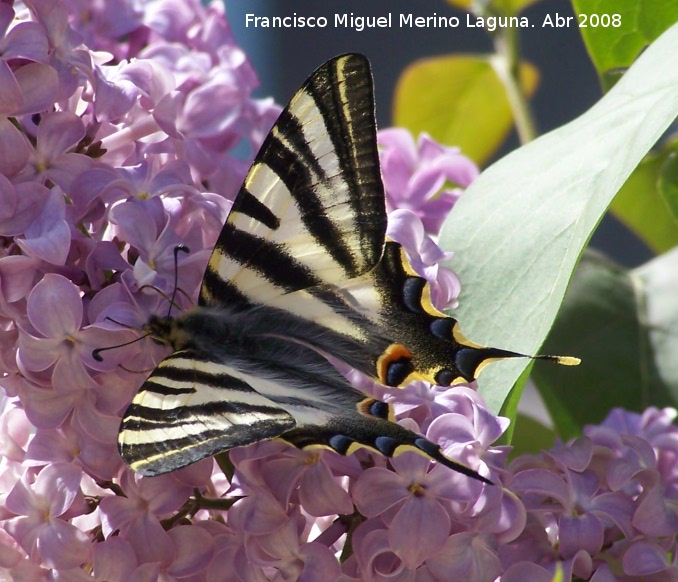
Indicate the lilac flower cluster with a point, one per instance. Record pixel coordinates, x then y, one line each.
604 505
119 123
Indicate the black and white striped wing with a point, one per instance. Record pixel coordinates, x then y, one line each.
311 211
191 408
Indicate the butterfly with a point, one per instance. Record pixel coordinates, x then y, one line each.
302 270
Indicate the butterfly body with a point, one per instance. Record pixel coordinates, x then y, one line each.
301 271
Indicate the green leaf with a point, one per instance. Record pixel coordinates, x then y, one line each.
510 407
668 188
599 321
644 201
558 575
624 325
458 100
531 436
520 228
616 47
224 461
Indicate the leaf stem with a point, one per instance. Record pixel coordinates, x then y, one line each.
506 63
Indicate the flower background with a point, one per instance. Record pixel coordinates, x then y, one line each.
126 129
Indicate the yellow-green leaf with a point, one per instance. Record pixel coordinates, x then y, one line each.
459 101
668 188
643 203
507 7
463 4
511 7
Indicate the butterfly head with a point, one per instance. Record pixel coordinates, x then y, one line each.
167 330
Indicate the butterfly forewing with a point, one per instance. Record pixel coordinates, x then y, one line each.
311 210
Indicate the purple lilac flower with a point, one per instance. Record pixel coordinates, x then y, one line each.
415 175
39 527
407 228
73 255
106 165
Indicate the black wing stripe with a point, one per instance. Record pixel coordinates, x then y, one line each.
270 260
192 376
158 457
249 205
322 155
151 386
290 130
146 418
298 169
214 285
345 97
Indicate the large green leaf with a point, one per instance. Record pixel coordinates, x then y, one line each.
615 43
599 320
624 325
458 100
520 228
463 4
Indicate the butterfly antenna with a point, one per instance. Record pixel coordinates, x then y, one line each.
96 353
177 249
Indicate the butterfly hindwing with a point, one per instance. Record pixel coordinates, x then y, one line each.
195 405
190 408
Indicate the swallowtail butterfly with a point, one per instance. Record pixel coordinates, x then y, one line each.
302 269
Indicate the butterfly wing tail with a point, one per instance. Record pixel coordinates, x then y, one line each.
371 428
428 344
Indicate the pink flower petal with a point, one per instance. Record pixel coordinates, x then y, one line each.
48 237
58 133
38 84
11 97
419 530
644 558
14 149
114 560
193 548
376 490
54 307
320 494
146 527
467 556
59 483
583 532
63 545
522 571
318 564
